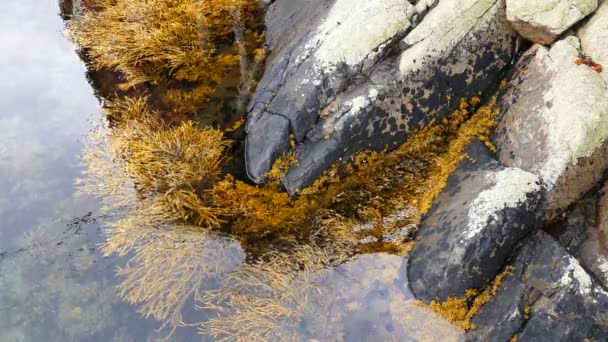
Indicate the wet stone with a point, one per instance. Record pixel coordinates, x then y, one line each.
548 297
483 212
368 75
583 234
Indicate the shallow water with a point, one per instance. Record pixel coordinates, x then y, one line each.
54 283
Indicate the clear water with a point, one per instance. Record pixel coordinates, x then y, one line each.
54 283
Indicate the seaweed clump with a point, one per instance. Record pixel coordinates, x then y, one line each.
460 311
166 183
179 50
175 207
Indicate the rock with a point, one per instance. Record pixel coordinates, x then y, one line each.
603 213
483 212
548 297
594 37
555 122
575 229
350 75
585 237
543 21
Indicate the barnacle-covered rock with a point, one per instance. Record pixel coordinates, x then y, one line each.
483 212
346 75
548 297
555 122
543 21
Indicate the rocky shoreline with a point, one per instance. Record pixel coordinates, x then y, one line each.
343 76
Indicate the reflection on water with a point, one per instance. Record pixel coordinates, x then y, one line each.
55 284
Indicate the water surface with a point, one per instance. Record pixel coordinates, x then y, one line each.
54 283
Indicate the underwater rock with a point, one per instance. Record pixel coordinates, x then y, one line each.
543 21
555 122
483 212
351 76
547 297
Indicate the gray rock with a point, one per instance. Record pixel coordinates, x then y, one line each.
350 76
483 212
594 37
555 122
548 297
543 21
583 234
577 224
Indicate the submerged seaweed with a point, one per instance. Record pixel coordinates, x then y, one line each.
179 50
180 217
165 182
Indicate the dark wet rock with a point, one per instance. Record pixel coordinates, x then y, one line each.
483 212
350 75
555 117
583 235
548 297
577 223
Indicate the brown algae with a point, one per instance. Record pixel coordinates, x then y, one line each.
163 177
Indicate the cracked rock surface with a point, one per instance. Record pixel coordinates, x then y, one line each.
553 127
583 233
345 75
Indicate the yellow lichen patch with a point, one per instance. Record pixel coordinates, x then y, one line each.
460 311
503 84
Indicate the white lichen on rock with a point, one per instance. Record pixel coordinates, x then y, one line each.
577 119
351 109
441 31
353 29
602 265
594 37
508 189
576 276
